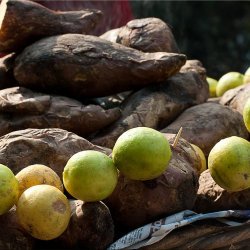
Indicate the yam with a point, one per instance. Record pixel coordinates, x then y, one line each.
12 236
157 106
21 108
135 203
145 34
236 98
22 22
6 71
212 197
206 124
51 147
83 66
91 226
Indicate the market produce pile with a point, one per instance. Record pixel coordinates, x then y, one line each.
102 135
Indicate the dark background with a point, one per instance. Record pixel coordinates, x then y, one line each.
215 32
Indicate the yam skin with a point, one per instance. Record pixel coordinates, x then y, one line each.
91 226
83 66
206 124
236 98
145 34
159 105
22 22
21 108
6 71
12 235
212 197
51 147
135 203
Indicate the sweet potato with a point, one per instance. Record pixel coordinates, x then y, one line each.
83 66
211 197
91 226
237 97
157 106
23 22
145 34
135 203
6 71
205 124
12 236
51 147
21 108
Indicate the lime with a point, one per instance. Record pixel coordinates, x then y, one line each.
90 176
141 153
229 163
246 114
212 83
247 76
43 211
229 81
37 174
9 189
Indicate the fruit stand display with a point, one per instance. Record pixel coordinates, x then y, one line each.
116 141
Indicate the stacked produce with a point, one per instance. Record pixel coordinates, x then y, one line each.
102 135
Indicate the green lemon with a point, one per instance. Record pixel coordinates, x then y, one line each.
141 153
229 81
246 114
212 83
90 176
247 76
9 189
229 163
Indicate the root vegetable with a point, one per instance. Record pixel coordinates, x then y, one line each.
87 66
23 22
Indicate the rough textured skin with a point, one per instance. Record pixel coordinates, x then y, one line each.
206 124
32 21
211 197
12 236
237 97
146 34
6 71
91 226
51 147
135 203
21 108
157 106
88 66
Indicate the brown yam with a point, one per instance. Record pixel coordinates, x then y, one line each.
91 226
237 97
206 124
145 34
12 236
135 203
211 197
23 22
87 66
6 71
21 108
157 106
52 147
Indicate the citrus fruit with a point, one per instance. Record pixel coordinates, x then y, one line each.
8 189
141 153
43 211
212 83
247 76
229 81
229 163
90 176
246 114
203 165
37 174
